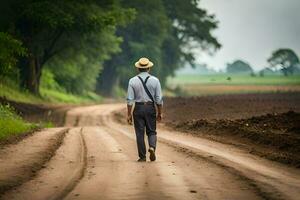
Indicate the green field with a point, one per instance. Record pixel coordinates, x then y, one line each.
222 79
198 85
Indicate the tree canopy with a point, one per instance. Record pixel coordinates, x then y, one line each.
50 28
286 59
167 32
81 44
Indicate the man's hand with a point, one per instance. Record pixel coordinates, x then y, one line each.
159 113
159 117
129 119
129 115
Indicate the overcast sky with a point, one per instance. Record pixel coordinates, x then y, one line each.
252 29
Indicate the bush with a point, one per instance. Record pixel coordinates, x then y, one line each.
11 123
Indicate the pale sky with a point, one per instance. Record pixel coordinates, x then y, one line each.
252 29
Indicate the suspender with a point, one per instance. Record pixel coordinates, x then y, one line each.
145 87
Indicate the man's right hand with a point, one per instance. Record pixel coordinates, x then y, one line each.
129 115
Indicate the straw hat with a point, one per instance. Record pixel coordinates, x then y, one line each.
143 63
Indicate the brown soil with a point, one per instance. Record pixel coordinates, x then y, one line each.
243 120
229 106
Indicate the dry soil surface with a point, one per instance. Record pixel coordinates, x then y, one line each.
97 160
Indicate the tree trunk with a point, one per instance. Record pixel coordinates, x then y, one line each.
30 72
284 71
106 80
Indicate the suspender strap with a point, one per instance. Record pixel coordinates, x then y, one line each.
145 87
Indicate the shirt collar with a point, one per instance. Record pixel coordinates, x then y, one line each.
144 73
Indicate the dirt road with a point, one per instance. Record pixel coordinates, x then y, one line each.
97 160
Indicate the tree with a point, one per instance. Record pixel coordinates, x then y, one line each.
79 67
240 67
285 59
49 28
166 31
10 50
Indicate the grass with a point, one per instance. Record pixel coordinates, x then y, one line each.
12 124
10 90
221 79
61 97
201 85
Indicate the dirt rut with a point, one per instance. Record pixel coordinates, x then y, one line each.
20 161
59 175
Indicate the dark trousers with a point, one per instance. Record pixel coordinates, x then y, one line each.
144 117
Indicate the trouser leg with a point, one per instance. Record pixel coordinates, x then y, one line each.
139 126
150 119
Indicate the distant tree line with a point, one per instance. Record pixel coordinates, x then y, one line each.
82 45
285 60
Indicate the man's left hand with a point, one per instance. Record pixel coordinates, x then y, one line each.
159 117
129 119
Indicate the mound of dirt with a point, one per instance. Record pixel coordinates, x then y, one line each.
267 125
275 136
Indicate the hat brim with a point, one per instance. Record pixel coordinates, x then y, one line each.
150 64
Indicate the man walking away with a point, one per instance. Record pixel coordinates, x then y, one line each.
145 91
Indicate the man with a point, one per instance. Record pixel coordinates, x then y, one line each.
145 91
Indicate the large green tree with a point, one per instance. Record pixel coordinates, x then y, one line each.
78 68
167 32
49 28
285 59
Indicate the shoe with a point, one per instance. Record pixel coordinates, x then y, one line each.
142 160
152 154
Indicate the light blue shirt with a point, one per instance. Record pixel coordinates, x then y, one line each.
137 93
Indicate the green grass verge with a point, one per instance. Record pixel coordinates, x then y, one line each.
11 91
61 97
12 124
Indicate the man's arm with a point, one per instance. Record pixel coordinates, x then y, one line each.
159 101
130 101
159 112
129 115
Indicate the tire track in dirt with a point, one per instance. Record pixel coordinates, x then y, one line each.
31 154
268 194
60 175
277 180
265 190
188 181
109 170
82 172
178 179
